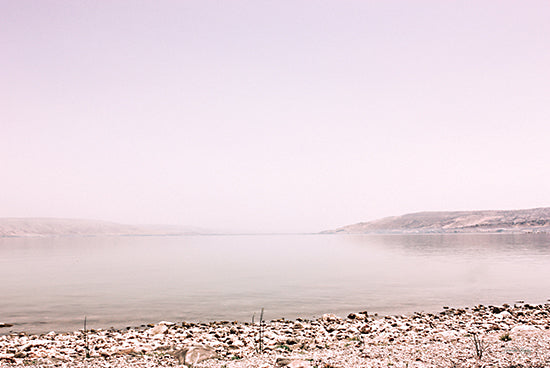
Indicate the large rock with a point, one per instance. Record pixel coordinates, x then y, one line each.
524 329
194 354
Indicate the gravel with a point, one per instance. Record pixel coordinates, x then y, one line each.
509 336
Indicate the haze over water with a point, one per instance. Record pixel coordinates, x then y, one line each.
127 281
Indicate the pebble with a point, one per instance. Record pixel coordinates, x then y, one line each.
360 340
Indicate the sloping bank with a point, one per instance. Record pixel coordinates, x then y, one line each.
509 336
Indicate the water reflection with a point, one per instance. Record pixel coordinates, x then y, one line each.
457 243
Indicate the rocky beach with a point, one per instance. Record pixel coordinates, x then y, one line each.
510 336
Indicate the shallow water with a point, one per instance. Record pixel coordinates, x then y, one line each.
52 283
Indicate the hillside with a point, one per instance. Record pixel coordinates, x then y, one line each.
76 227
531 220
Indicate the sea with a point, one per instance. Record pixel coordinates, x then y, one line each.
55 283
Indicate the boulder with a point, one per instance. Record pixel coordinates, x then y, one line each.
193 354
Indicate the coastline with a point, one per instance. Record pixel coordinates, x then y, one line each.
507 336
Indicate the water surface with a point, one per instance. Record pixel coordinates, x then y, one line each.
52 283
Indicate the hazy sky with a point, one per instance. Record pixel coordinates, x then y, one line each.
272 115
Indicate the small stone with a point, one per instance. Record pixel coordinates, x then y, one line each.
235 342
298 326
357 316
166 323
281 362
329 317
365 329
158 329
293 363
503 315
126 351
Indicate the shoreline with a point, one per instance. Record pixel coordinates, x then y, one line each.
500 231
516 335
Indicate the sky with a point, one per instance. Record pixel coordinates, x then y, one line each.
272 116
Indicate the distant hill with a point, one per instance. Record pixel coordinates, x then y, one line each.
531 220
76 227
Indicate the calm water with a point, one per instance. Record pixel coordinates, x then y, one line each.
52 283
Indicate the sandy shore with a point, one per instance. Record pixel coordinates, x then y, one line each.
509 336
